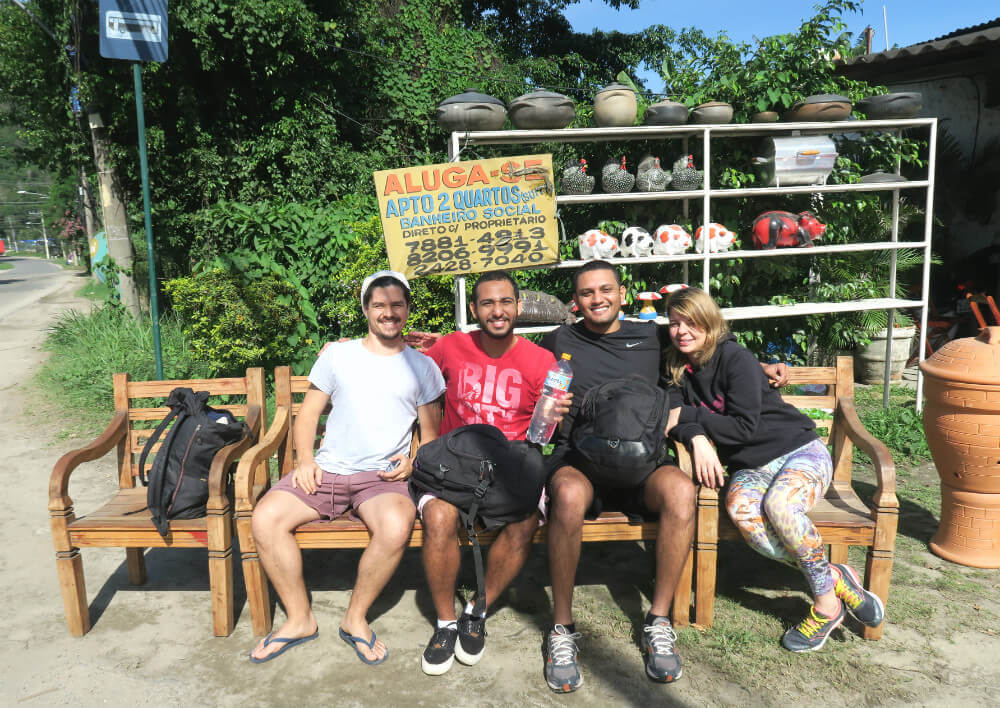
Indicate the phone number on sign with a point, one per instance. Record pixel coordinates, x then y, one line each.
498 249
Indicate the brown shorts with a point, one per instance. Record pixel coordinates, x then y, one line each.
339 493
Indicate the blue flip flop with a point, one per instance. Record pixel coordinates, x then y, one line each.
353 643
289 643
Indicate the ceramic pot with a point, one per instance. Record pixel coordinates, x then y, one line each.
471 111
764 117
891 105
713 112
869 362
821 107
962 424
615 106
666 113
541 110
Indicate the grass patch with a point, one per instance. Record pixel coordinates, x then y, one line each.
5 266
899 426
88 347
95 290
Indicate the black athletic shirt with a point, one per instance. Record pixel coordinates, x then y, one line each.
597 358
731 400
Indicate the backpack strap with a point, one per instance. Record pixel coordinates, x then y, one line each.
174 411
485 481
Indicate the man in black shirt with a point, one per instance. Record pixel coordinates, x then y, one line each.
604 348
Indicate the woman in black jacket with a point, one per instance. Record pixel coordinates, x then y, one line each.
779 467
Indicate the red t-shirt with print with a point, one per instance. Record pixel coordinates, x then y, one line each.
480 389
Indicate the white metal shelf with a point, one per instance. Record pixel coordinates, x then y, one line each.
459 141
762 253
620 197
647 132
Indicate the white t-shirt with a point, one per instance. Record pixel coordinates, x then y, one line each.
374 403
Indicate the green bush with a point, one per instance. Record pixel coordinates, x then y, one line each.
233 324
87 348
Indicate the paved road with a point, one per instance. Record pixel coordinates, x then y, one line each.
29 281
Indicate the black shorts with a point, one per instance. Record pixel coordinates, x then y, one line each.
628 500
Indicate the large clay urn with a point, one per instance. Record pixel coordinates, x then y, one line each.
962 424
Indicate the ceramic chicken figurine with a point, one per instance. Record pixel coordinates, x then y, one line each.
671 240
686 177
654 179
615 178
575 179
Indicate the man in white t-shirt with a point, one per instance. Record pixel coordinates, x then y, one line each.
377 387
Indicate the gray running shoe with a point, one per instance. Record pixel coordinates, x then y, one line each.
663 664
866 606
562 672
811 633
440 652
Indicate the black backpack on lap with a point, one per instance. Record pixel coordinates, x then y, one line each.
619 431
178 478
486 477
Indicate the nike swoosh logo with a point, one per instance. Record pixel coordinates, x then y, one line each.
632 344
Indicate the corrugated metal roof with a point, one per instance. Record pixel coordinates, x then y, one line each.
983 34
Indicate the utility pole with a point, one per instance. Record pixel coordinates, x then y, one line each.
45 238
13 234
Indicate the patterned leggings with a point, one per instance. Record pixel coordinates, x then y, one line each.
769 505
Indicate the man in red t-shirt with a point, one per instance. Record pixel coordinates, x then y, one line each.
492 376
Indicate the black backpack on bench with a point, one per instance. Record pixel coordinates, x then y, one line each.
178 477
485 476
619 431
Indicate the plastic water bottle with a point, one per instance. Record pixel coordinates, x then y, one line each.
543 420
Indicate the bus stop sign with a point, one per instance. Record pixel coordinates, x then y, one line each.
135 30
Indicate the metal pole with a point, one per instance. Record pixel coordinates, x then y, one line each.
144 167
891 321
928 232
45 237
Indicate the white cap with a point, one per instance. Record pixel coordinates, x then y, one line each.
383 274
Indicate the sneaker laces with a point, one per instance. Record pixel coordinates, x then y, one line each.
562 645
442 635
661 637
813 623
847 593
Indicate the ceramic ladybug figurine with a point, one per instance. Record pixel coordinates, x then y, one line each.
783 229
648 311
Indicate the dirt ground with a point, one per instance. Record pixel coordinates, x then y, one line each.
152 645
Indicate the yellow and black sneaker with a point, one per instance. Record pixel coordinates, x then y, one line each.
811 633
866 606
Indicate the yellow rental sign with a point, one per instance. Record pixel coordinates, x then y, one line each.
469 217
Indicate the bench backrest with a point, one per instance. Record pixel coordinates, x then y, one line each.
826 384
144 402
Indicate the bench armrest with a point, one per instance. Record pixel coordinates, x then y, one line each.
222 462
59 499
257 455
885 468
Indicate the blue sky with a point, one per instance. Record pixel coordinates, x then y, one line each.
909 21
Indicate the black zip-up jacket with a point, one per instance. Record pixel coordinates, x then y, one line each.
731 401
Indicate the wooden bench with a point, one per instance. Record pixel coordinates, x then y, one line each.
125 521
252 481
842 518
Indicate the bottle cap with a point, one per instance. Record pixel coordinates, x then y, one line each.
567 356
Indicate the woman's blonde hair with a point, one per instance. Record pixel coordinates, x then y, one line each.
697 306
